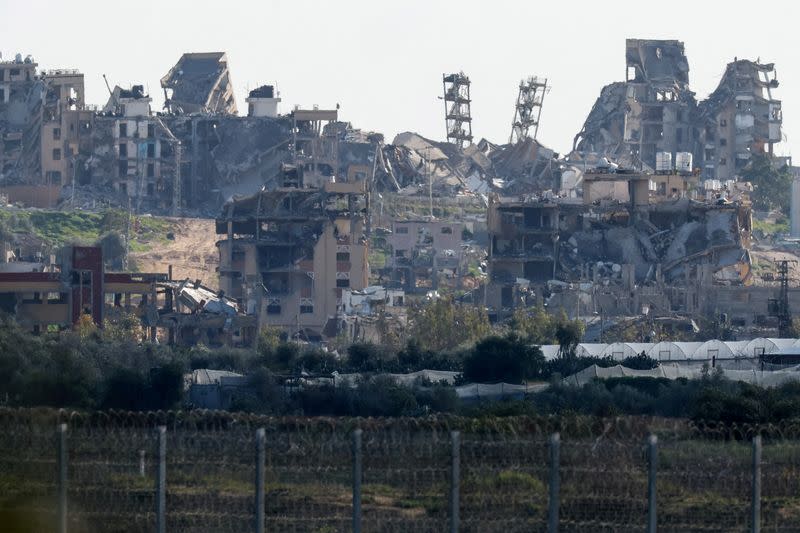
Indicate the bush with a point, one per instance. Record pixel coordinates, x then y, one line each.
508 359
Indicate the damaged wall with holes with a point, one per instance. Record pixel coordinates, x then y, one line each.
626 244
288 254
42 122
654 112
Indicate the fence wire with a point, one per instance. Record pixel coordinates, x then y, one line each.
704 473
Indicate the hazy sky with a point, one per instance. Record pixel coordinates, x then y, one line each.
383 61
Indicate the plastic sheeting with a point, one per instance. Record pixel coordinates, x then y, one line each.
674 371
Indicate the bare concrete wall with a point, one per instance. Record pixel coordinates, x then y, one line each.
43 196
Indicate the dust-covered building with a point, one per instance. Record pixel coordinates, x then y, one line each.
653 113
739 119
628 243
288 253
199 83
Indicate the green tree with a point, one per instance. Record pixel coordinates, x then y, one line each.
442 324
114 248
510 359
771 183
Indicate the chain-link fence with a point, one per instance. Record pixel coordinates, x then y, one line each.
187 472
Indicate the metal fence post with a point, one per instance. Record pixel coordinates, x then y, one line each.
357 480
161 480
652 464
61 434
756 505
554 484
261 440
455 480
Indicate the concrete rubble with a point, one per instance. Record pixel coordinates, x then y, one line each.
646 216
655 112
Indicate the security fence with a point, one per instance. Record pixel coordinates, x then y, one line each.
200 471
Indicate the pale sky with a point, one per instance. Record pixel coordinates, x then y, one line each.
383 61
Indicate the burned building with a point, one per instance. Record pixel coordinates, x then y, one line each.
199 83
288 253
654 112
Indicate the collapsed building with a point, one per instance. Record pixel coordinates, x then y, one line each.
633 241
654 112
192 157
199 83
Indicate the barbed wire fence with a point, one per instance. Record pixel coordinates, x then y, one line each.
210 471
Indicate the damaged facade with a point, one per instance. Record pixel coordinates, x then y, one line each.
632 241
424 251
43 121
289 253
55 295
654 112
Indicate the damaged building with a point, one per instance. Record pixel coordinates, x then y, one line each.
423 252
43 121
199 83
739 119
654 112
632 241
287 254
55 295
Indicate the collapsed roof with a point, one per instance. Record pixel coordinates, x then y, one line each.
411 161
199 83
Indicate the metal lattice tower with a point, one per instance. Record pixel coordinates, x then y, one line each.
458 117
528 108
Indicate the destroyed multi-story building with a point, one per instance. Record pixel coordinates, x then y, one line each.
288 253
632 241
44 123
654 112
200 153
20 99
739 119
422 251
199 83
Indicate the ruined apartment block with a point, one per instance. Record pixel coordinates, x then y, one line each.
739 119
289 253
653 117
43 123
191 157
632 243
21 95
423 251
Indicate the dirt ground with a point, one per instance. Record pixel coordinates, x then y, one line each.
193 254
764 261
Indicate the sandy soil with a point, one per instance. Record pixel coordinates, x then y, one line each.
193 254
